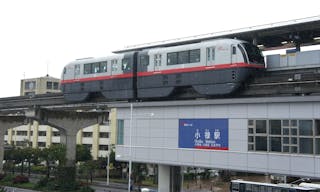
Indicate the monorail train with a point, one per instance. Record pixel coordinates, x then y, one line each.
244 186
209 68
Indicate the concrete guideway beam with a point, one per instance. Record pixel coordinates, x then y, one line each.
7 122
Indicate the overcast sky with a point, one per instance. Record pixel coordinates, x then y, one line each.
37 36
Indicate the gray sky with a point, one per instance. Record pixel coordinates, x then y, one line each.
35 34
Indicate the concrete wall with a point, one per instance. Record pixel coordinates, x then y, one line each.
155 138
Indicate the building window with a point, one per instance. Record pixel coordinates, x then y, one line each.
55 85
22 133
30 85
42 133
103 147
120 131
104 135
288 136
41 144
49 85
88 146
86 134
56 133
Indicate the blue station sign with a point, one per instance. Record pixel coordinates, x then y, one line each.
204 133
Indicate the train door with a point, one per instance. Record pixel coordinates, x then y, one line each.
233 54
76 71
211 56
157 62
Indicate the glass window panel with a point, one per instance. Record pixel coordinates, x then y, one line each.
261 126
120 131
49 85
294 131
294 140
248 187
306 145
275 144
285 140
183 57
275 127
250 130
56 85
285 123
96 68
285 149
195 56
172 58
261 143
305 127
126 64
251 147
250 122
77 69
294 149
318 146
317 127
293 123
255 188
144 60
250 139
103 67
285 131
87 69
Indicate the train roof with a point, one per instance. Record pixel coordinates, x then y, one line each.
271 36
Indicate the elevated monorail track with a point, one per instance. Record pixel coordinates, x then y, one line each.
268 83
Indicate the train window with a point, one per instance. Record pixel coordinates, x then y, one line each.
96 68
194 56
114 65
211 53
87 68
234 50
157 60
254 53
243 54
183 57
125 64
103 66
144 60
77 69
172 58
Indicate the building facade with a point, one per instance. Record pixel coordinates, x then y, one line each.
40 85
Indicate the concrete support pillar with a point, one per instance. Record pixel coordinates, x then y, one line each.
10 136
7 122
35 128
49 136
95 141
69 123
164 178
79 137
28 134
169 178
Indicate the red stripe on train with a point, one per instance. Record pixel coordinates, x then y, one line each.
168 71
201 68
120 76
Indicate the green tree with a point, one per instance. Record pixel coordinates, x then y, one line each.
83 153
139 172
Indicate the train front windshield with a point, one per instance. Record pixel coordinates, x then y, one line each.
254 53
